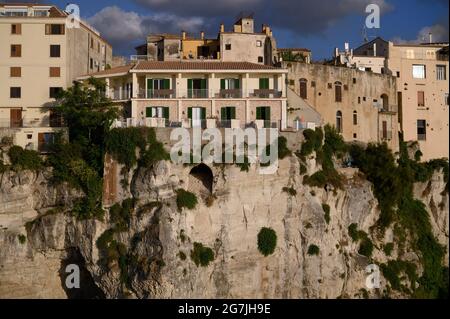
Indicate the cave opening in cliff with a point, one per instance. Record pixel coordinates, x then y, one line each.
201 179
87 287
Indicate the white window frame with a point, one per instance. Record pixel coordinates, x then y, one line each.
419 71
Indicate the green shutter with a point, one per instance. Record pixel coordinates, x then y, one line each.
166 84
222 84
267 117
149 88
237 83
148 112
190 113
263 83
203 84
223 114
203 113
258 113
232 113
190 86
166 113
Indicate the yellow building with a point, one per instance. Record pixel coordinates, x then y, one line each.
40 55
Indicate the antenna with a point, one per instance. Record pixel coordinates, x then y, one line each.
364 34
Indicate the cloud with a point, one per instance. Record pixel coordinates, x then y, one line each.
123 28
439 30
306 17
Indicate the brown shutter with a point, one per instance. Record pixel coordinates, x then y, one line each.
55 72
15 117
15 71
16 50
420 98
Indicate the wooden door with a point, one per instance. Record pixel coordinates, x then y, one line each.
16 117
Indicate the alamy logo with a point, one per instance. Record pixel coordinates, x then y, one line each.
373 279
73 277
239 146
73 19
373 19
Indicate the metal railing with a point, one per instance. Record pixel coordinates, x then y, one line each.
229 94
31 123
138 57
386 135
266 94
204 94
389 109
422 137
117 94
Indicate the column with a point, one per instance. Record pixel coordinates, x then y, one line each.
245 88
108 93
283 114
135 86
212 91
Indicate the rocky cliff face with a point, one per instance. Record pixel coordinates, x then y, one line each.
233 207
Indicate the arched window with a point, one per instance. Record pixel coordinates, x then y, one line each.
304 88
385 99
355 118
338 91
339 121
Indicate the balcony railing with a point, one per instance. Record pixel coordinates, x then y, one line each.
31 123
386 135
389 109
266 94
230 94
422 137
118 95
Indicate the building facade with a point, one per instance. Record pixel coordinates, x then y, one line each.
361 105
199 94
39 56
241 44
422 91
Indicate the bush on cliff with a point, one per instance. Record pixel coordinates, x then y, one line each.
267 241
24 159
202 255
186 199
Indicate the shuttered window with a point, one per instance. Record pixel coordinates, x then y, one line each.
15 71
54 29
16 50
420 99
304 89
16 28
338 92
55 72
264 84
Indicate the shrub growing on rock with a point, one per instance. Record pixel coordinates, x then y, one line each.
267 241
24 159
202 255
186 199
313 250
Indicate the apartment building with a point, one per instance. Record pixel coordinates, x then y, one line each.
361 105
240 44
203 94
39 56
422 90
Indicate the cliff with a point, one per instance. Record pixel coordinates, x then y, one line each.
151 256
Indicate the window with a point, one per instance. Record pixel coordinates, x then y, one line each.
384 131
15 72
16 50
16 12
313 84
227 47
92 43
54 92
421 130
421 99
55 51
359 100
304 88
419 71
441 72
339 121
263 83
15 92
228 113
54 29
16 29
385 100
263 114
447 102
98 47
354 80
338 91
260 59
157 112
355 118
355 136
55 72
398 74
45 141
91 63
259 43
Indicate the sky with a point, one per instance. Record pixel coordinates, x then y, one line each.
319 25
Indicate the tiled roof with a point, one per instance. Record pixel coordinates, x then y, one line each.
293 49
116 70
199 65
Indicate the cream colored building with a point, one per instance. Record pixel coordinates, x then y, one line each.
204 94
422 72
361 105
40 55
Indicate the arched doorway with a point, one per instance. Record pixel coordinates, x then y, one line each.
385 100
339 121
201 180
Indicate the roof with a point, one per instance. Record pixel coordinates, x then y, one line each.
24 4
199 65
293 49
113 71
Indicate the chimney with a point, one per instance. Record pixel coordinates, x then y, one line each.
266 29
431 37
183 35
374 49
202 35
222 28
347 47
336 52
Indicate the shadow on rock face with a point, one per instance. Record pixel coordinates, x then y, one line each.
88 289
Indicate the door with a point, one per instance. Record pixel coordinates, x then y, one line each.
197 88
155 87
16 118
385 131
197 115
45 141
227 114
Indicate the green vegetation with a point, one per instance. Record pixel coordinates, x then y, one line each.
393 187
303 169
393 271
201 255
290 190
283 150
267 241
388 248
24 159
366 246
186 199
245 166
22 238
120 214
326 209
334 146
313 250
112 251
182 255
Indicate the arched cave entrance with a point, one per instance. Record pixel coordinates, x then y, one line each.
201 180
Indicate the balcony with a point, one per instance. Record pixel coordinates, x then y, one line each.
386 135
230 94
32 123
157 94
391 109
267 94
119 95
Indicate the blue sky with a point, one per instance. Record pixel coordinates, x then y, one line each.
319 25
